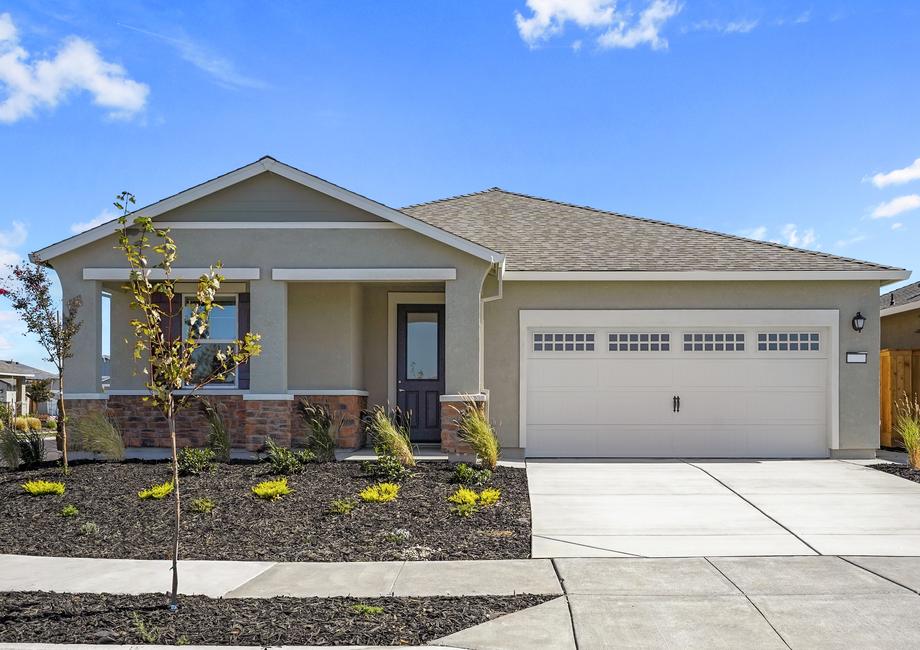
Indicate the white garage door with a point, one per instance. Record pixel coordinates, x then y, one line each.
711 391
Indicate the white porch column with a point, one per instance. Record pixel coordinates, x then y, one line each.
83 371
21 402
268 316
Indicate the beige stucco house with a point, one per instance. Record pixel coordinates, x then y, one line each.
586 333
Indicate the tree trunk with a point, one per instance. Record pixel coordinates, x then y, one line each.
62 422
174 594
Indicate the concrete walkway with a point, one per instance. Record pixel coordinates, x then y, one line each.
675 508
220 579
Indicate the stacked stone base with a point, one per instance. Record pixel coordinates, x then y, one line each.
450 414
249 422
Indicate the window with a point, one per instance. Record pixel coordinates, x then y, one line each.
563 342
788 341
639 342
714 342
222 330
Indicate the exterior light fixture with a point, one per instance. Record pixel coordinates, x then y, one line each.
859 322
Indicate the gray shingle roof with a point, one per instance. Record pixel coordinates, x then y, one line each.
14 368
901 296
538 234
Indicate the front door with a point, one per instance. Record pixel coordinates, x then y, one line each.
420 368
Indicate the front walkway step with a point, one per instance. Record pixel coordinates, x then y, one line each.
547 626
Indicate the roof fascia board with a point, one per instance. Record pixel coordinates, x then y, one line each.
900 309
364 275
702 276
124 274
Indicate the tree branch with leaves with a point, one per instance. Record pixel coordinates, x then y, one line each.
28 288
170 356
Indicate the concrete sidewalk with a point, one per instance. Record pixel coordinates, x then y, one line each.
220 579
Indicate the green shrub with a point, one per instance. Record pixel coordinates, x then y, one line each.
96 432
390 434
464 495
21 448
89 528
218 435
324 429
271 490
386 467
367 610
70 510
195 461
466 475
51 423
464 509
9 448
286 461
203 505
475 430
342 506
157 491
467 501
907 427
379 493
39 488
489 497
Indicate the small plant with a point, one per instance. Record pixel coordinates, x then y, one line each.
390 434
195 461
379 493
464 495
271 490
39 488
51 423
147 635
398 536
489 497
366 610
9 448
98 433
386 467
466 475
89 529
286 461
218 435
342 506
324 429
70 510
464 509
475 430
24 424
203 505
907 427
157 491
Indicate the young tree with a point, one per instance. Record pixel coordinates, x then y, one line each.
29 289
38 392
171 361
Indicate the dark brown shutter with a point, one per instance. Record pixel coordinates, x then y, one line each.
242 321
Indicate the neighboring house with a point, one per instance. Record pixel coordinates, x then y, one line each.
15 377
900 313
586 333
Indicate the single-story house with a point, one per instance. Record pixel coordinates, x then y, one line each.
15 377
584 332
900 314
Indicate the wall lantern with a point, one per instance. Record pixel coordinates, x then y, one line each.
859 322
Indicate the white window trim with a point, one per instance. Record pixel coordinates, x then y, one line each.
394 299
236 301
607 320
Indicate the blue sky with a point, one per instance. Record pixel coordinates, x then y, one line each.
788 121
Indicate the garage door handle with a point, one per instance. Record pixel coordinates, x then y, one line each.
674 404
678 403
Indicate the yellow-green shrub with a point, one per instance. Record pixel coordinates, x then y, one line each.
34 424
464 495
271 490
468 501
21 423
379 493
38 488
157 491
489 497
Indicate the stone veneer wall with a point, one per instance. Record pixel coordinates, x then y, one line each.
450 440
250 422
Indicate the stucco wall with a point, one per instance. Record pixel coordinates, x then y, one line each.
902 331
858 383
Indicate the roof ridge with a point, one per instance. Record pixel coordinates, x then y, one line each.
453 198
683 227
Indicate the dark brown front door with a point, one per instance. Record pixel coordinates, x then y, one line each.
420 368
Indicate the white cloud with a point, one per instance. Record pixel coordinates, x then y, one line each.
760 232
105 215
897 225
220 68
898 176
11 239
732 27
44 82
793 237
896 206
622 29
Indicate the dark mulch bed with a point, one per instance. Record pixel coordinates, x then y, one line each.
298 527
899 470
42 617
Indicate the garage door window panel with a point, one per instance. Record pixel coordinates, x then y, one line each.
563 341
713 342
639 342
788 342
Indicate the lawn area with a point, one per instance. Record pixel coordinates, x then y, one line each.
100 515
41 617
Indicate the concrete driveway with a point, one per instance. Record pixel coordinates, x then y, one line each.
675 508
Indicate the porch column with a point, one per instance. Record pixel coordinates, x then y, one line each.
20 401
83 371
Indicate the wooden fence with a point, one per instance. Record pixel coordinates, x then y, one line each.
899 373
